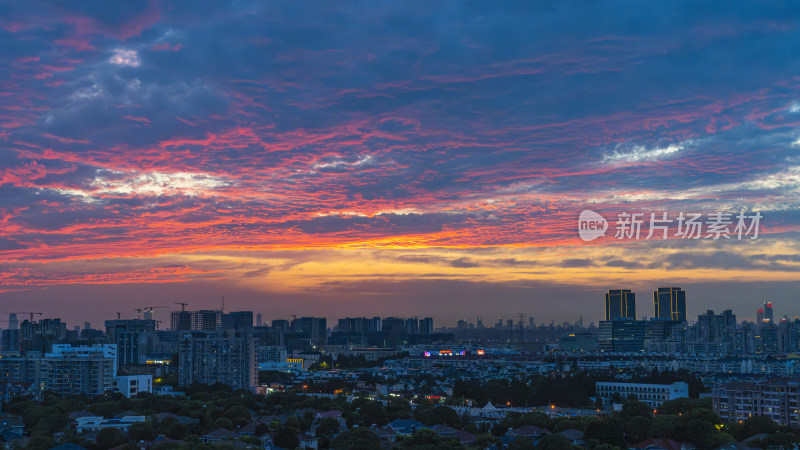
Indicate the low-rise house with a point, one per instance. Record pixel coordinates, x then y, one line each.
96 423
385 434
575 436
308 441
405 427
68 446
464 437
532 432
11 426
218 435
660 444
186 420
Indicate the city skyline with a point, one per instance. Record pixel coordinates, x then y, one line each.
163 315
428 159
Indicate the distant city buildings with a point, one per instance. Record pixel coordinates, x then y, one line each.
211 346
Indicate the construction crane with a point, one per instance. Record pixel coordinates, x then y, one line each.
183 305
31 314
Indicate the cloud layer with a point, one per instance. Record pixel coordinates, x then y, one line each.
298 149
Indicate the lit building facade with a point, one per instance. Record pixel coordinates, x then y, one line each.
776 398
222 356
654 395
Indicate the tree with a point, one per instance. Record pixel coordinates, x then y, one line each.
398 409
664 426
109 438
286 437
426 438
754 425
356 439
537 419
780 440
39 441
703 434
372 412
327 427
223 422
238 414
637 428
521 443
635 408
105 409
605 431
443 415
556 442
141 431
262 429
485 440
177 431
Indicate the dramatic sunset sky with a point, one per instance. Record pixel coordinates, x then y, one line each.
392 157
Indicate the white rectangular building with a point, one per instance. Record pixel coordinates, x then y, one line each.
132 385
652 394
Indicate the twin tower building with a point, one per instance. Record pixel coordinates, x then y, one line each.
669 303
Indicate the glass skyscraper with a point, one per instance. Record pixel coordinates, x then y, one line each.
620 305
669 303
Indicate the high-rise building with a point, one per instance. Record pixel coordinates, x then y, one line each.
180 320
359 325
620 304
426 326
315 328
13 322
768 317
776 398
206 320
220 356
669 303
65 370
237 319
259 321
375 325
412 325
40 336
479 322
281 325
621 335
716 327
129 337
394 325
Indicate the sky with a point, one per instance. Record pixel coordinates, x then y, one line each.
414 158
